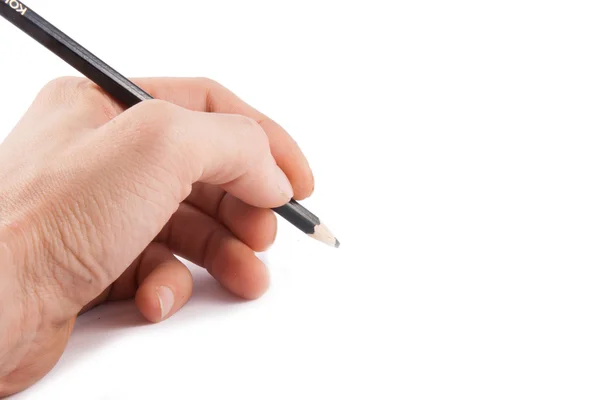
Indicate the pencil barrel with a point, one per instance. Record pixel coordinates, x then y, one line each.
115 84
299 216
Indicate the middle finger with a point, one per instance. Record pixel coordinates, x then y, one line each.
254 226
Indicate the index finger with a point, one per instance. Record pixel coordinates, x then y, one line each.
201 94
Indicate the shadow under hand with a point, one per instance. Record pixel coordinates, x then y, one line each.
96 328
208 298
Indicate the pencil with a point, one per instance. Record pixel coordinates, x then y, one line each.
128 94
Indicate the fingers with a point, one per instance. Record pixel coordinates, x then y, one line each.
202 94
235 266
165 284
254 226
227 150
159 282
206 198
199 238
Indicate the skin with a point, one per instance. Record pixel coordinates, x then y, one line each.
95 202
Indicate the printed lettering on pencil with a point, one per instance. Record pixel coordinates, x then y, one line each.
17 6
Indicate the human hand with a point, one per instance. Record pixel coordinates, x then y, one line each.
96 201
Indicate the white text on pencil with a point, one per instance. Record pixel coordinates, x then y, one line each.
16 5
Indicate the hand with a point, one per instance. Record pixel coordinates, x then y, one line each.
95 202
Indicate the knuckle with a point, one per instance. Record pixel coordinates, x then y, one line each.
153 131
153 106
62 83
156 112
91 94
88 90
251 130
249 123
153 119
68 90
255 137
252 144
60 89
209 83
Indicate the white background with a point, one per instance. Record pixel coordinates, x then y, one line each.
456 148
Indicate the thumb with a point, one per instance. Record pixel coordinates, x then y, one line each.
221 149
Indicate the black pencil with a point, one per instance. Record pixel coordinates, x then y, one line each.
127 93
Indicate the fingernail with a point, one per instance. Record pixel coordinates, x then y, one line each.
166 300
284 184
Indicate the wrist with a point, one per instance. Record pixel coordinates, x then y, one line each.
27 267
30 344
17 303
19 316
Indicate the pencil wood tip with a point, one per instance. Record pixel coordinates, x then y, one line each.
323 234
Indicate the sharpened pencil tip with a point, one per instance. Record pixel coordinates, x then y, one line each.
323 234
